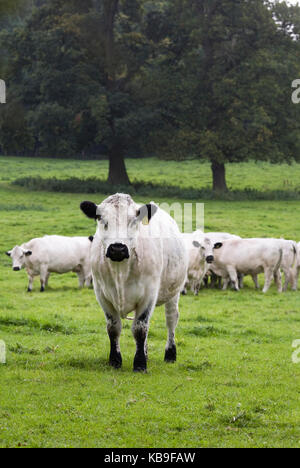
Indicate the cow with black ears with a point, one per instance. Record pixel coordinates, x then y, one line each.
139 260
54 254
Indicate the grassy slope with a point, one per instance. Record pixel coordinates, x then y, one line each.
260 176
234 383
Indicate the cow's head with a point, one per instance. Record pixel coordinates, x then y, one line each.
18 256
207 248
119 221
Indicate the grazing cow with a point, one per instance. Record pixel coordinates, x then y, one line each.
288 263
139 261
54 254
249 257
201 255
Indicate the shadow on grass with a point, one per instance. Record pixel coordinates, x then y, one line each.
87 363
51 327
140 188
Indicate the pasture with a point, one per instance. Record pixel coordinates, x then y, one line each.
234 383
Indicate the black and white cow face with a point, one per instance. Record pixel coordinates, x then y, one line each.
207 249
18 256
119 221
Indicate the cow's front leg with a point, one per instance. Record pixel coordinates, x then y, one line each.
30 283
140 330
172 316
114 328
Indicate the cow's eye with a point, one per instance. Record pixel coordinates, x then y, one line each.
98 217
106 226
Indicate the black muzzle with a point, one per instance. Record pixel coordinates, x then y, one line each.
210 259
117 252
17 269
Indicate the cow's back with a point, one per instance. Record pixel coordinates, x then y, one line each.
60 254
248 254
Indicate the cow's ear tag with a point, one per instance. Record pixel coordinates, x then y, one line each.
146 221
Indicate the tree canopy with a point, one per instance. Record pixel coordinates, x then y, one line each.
205 79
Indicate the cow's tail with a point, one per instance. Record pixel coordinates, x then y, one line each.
295 251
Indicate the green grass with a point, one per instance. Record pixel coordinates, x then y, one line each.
234 384
186 174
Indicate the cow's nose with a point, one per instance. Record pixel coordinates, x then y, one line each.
210 259
117 252
16 268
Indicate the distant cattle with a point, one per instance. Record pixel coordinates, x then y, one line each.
54 254
201 255
139 261
249 257
288 263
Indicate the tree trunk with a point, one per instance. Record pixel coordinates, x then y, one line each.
117 169
219 177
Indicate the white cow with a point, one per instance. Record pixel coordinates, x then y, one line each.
249 257
54 254
220 236
216 238
288 263
139 261
201 256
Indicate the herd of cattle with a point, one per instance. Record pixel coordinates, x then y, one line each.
139 259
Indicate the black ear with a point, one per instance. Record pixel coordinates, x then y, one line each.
91 238
28 253
218 245
147 211
196 244
89 209
8 254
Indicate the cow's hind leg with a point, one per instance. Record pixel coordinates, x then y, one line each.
140 330
172 316
233 277
255 280
268 279
278 280
43 277
81 278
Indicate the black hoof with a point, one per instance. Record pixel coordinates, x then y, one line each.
116 361
183 293
140 364
140 370
171 354
42 289
29 290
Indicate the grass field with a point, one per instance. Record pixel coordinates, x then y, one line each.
234 384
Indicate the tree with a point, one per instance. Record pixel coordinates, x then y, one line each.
233 68
75 70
